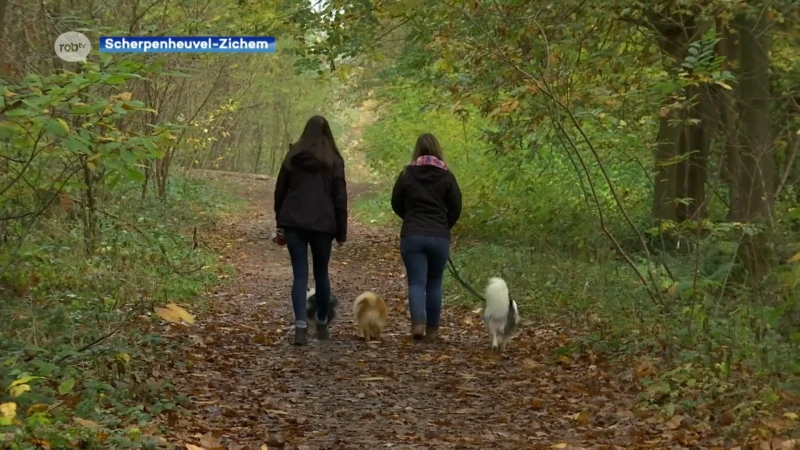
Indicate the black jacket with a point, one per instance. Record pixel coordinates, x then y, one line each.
428 200
309 198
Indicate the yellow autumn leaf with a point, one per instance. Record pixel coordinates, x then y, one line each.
86 423
64 124
795 258
37 408
182 313
174 314
193 447
8 410
18 390
167 314
125 96
724 85
791 416
23 380
561 445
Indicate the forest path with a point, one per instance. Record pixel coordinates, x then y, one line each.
249 387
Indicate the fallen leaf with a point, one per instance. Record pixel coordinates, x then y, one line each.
86 423
581 417
208 440
675 422
23 380
8 410
644 369
18 390
373 379
174 314
530 364
193 447
37 408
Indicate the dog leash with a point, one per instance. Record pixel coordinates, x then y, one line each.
454 272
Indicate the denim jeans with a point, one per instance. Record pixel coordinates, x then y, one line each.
425 258
298 241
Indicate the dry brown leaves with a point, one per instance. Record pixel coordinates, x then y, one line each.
250 389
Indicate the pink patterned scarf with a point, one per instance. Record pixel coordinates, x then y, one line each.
428 160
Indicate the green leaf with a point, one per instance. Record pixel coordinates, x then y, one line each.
65 387
21 112
57 127
113 163
127 156
75 144
105 58
135 175
23 380
115 79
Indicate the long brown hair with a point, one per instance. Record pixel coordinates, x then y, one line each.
427 145
317 139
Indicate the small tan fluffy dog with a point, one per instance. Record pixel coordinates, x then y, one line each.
371 315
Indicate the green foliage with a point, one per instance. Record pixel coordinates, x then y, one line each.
80 338
521 196
535 184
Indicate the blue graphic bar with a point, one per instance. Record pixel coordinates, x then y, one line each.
187 44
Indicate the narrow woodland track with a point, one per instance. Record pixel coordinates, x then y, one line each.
250 387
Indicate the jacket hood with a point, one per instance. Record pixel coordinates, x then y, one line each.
306 161
427 174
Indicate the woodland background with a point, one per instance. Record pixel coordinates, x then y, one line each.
629 167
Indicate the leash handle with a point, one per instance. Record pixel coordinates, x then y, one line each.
454 272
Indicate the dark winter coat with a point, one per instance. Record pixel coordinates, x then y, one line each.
311 198
428 199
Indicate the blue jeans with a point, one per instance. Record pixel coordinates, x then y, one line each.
425 258
298 241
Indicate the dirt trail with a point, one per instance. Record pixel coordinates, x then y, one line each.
248 385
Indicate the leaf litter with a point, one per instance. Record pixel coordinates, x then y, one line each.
250 389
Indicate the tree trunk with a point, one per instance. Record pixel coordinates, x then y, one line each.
681 155
665 178
756 165
3 9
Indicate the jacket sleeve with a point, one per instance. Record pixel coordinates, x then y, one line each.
339 193
398 197
453 202
280 190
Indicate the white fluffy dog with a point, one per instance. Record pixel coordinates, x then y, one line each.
500 314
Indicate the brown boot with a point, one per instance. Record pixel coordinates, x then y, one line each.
431 334
418 331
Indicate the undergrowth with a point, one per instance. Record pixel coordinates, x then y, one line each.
81 351
709 347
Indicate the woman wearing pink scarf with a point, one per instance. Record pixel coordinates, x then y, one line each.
428 199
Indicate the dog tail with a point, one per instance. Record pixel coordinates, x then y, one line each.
370 303
365 300
497 299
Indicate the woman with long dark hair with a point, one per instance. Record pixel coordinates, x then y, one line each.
311 211
427 197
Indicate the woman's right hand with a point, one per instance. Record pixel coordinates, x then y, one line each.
279 237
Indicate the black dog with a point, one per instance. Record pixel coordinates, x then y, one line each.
311 306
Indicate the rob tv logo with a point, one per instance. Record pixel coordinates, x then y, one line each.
72 46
